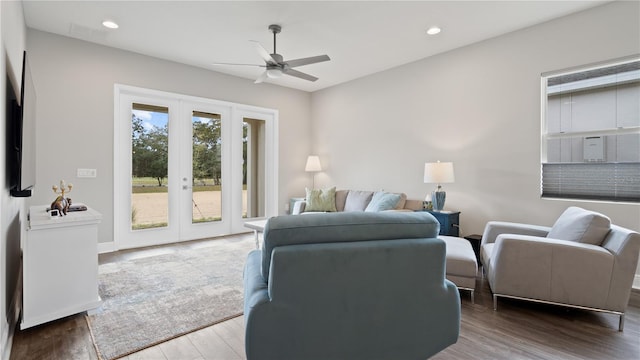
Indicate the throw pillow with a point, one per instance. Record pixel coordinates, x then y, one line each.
357 200
580 225
402 201
341 198
382 201
321 200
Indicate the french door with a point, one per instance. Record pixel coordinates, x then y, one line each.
189 168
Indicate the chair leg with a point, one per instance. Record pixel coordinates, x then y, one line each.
495 302
473 301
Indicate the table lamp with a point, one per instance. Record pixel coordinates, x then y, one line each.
313 165
438 173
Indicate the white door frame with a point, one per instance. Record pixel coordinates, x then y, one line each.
177 104
271 162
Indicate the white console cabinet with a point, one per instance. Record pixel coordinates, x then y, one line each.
60 265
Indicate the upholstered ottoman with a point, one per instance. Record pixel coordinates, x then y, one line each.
462 266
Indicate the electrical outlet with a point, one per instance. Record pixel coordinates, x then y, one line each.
87 173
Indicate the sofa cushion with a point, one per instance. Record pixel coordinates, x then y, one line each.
461 260
382 201
321 199
580 225
341 199
357 200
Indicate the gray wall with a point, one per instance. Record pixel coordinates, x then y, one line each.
74 82
478 106
12 44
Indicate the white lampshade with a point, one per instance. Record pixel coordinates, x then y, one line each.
438 173
313 164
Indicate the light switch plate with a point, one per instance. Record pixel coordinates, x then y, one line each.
87 173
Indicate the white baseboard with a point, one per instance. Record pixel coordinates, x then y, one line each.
106 247
14 317
636 282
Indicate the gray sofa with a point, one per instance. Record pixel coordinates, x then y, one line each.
349 286
358 200
583 261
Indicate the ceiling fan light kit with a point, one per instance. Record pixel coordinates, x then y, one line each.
274 73
275 65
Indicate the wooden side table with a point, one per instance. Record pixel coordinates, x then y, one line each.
475 241
449 221
258 227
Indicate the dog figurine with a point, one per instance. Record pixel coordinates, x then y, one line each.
61 204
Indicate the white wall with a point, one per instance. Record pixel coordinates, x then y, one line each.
478 106
12 44
74 82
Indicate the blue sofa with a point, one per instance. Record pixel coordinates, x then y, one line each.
349 286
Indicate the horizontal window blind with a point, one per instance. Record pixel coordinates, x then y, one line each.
592 181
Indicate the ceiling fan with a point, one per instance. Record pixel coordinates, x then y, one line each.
276 65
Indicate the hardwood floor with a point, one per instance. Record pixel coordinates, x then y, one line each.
518 330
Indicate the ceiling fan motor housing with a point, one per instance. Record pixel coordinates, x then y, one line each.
278 58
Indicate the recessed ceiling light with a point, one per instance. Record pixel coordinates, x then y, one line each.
110 24
434 30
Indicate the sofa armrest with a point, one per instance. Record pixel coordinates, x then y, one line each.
624 244
298 207
413 204
255 286
495 228
551 269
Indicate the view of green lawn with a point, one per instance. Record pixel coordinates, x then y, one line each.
150 203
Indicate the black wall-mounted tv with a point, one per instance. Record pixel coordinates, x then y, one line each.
21 137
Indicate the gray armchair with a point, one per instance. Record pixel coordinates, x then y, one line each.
349 286
583 261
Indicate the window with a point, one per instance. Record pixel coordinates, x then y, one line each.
590 145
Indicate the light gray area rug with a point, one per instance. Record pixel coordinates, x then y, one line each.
151 300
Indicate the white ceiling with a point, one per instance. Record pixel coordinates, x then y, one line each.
361 37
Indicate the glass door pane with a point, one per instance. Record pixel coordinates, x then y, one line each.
204 171
149 164
206 167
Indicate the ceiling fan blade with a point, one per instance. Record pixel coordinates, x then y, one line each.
264 54
300 75
262 78
221 63
307 61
